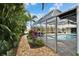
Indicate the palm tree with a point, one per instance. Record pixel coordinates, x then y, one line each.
31 18
43 4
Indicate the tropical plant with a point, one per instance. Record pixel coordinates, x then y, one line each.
39 43
31 18
34 41
43 6
12 24
7 39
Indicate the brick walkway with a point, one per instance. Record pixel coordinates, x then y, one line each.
25 50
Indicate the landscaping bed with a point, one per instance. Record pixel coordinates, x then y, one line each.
25 50
34 40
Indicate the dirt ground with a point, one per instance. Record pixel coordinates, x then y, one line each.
25 50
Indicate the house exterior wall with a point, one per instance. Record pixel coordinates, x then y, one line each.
68 30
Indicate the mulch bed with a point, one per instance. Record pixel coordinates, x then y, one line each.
25 50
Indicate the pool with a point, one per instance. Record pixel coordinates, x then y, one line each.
61 36
66 36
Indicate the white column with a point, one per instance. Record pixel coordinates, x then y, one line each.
78 30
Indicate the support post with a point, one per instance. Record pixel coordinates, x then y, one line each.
46 31
56 34
77 29
40 30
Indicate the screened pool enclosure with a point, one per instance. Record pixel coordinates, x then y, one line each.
60 31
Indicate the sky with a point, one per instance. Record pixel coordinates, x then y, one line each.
36 8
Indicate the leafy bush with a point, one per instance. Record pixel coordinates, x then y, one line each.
12 24
30 41
39 43
11 52
7 40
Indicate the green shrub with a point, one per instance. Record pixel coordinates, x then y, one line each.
30 41
11 52
12 24
39 43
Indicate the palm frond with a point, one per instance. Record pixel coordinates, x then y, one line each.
43 6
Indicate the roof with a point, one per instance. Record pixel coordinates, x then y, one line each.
52 13
56 12
70 11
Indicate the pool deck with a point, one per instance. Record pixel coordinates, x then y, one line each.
64 47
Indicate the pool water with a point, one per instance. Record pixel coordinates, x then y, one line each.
62 37
67 37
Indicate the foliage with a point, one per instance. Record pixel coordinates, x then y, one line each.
39 42
31 18
32 34
7 39
30 41
43 6
12 24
